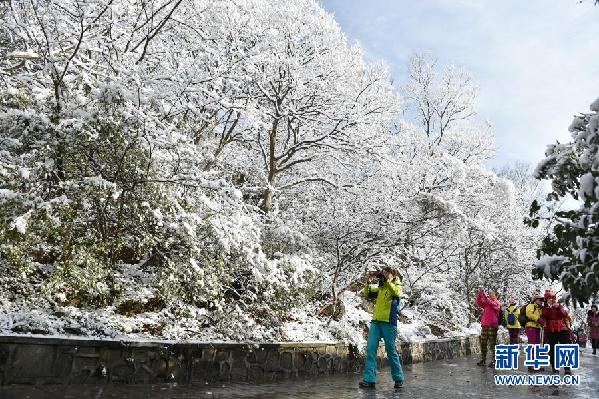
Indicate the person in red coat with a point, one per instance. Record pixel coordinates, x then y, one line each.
593 322
554 315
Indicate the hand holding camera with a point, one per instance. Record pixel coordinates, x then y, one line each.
376 275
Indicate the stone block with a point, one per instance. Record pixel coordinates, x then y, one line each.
204 371
255 373
222 355
238 373
286 360
87 351
4 354
111 356
173 368
238 356
140 355
82 376
324 364
63 364
300 360
257 356
337 365
224 372
190 353
272 362
159 369
31 362
144 374
208 354
331 349
406 355
121 373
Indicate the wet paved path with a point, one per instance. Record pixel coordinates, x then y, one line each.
457 378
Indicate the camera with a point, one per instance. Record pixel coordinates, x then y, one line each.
377 274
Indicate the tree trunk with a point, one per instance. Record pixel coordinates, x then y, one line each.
272 167
467 289
267 200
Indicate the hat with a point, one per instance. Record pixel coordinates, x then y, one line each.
549 294
537 296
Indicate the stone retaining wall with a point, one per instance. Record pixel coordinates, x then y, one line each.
46 360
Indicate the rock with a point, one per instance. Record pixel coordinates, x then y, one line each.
133 307
337 312
27 329
436 330
73 330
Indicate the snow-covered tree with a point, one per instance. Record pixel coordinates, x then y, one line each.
473 238
197 164
439 102
104 177
312 96
569 252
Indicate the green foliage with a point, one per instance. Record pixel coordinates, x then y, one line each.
569 253
85 201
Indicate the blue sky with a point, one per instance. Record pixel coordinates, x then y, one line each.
536 61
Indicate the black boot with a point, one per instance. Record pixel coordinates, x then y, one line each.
398 384
367 385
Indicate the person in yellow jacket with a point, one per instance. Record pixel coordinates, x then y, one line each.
510 315
383 324
534 321
533 317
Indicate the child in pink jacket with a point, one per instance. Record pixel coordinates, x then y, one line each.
489 323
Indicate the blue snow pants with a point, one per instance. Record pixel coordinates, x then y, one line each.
388 333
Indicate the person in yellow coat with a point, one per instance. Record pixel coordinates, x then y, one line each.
534 322
511 315
383 324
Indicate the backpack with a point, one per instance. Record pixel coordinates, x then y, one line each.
501 318
522 317
511 317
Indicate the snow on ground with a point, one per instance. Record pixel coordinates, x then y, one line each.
17 318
